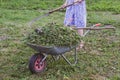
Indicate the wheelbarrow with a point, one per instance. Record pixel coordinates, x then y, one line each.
37 63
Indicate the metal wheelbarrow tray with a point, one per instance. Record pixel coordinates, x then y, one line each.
37 63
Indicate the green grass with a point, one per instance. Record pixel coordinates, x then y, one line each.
100 57
34 5
98 60
94 5
104 5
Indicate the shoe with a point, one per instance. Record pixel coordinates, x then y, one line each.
80 46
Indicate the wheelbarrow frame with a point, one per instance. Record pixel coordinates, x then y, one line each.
54 51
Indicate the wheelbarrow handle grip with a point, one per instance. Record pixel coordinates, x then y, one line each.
57 9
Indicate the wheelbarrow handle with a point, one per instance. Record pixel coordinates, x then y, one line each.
96 28
57 9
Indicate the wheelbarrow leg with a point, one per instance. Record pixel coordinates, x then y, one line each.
75 58
55 57
45 56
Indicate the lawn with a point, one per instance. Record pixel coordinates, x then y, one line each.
98 60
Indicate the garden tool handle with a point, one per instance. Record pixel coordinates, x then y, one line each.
57 9
96 28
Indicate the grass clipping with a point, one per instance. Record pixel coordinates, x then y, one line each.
54 35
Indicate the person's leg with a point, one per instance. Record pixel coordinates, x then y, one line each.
81 33
81 24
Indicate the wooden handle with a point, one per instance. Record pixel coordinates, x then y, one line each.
95 28
57 9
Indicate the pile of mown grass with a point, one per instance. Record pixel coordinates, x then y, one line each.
54 35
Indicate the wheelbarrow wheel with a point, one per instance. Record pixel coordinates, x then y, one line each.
35 64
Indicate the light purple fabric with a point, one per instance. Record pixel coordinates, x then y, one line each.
75 14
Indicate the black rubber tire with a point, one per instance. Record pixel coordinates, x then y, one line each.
34 64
